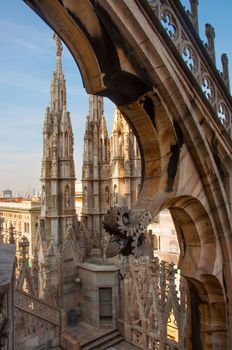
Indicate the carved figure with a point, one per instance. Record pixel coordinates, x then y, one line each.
127 230
58 43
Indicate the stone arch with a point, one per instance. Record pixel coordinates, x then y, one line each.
123 54
199 250
196 235
208 313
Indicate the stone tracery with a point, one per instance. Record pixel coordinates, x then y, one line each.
168 15
157 308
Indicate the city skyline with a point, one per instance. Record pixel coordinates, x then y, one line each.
26 66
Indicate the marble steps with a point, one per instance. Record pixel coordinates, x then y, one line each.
103 342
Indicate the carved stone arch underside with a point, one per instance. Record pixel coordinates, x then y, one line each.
160 141
131 64
199 265
123 54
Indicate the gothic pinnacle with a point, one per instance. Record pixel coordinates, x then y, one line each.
95 108
103 128
58 43
57 170
194 14
117 123
58 86
210 34
225 70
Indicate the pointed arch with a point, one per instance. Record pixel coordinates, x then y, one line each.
140 70
197 241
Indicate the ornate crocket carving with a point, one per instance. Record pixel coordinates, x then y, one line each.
127 230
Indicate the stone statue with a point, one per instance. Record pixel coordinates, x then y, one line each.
127 230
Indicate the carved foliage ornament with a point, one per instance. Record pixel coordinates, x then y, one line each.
127 231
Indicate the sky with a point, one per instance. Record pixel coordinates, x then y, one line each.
27 61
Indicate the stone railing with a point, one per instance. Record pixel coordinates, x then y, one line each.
199 58
27 205
37 307
155 313
154 344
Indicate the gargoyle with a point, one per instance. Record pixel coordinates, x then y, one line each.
127 230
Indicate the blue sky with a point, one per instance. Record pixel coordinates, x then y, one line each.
27 61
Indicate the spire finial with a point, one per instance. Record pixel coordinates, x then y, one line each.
59 46
225 70
194 14
24 247
210 34
58 88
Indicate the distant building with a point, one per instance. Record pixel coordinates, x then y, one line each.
163 237
7 193
23 215
78 198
